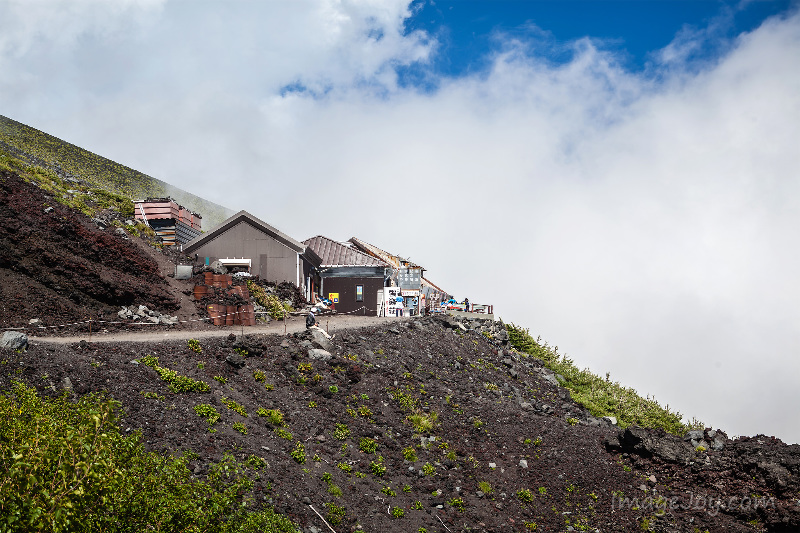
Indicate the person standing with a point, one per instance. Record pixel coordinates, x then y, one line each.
466 305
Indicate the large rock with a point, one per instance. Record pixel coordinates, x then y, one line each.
14 340
319 339
236 361
322 355
218 268
648 443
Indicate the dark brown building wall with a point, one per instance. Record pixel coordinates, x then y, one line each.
346 287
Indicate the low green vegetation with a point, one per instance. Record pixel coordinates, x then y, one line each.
299 453
208 412
177 383
367 445
273 416
119 182
341 432
275 309
410 454
602 397
233 406
423 422
65 467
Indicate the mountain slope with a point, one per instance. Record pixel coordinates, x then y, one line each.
59 266
68 160
421 424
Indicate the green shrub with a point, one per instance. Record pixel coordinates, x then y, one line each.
208 412
194 345
367 445
177 383
299 453
601 397
525 495
377 467
273 416
410 454
259 376
241 428
341 432
282 433
335 513
233 406
457 504
275 308
422 422
65 467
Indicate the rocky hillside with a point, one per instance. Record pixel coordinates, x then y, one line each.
59 265
70 161
425 425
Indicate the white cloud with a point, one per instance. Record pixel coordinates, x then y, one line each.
644 222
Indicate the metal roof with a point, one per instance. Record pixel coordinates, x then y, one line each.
335 254
243 216
394 260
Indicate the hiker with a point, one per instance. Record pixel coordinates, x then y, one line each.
398 308
466 305
310 320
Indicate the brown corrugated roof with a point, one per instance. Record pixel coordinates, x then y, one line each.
373 250
334 253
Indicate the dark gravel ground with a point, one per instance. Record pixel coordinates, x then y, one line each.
488 422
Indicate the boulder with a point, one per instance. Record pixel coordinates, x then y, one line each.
319 339
236 361
648 443
322 355
611 420
14 340
218 268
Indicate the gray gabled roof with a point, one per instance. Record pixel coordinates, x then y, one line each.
243 216
336 254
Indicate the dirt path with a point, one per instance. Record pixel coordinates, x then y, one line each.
294 324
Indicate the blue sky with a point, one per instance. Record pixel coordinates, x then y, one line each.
619 177
468 30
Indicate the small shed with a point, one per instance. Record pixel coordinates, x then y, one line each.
356 279
271 254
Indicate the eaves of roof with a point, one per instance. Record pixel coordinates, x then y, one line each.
243 216
395 260
336 254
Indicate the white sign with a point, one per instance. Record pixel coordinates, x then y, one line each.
391 295
409 292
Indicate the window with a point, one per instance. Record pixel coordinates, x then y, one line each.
359 293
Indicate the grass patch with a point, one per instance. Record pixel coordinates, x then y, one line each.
602 397
177 383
